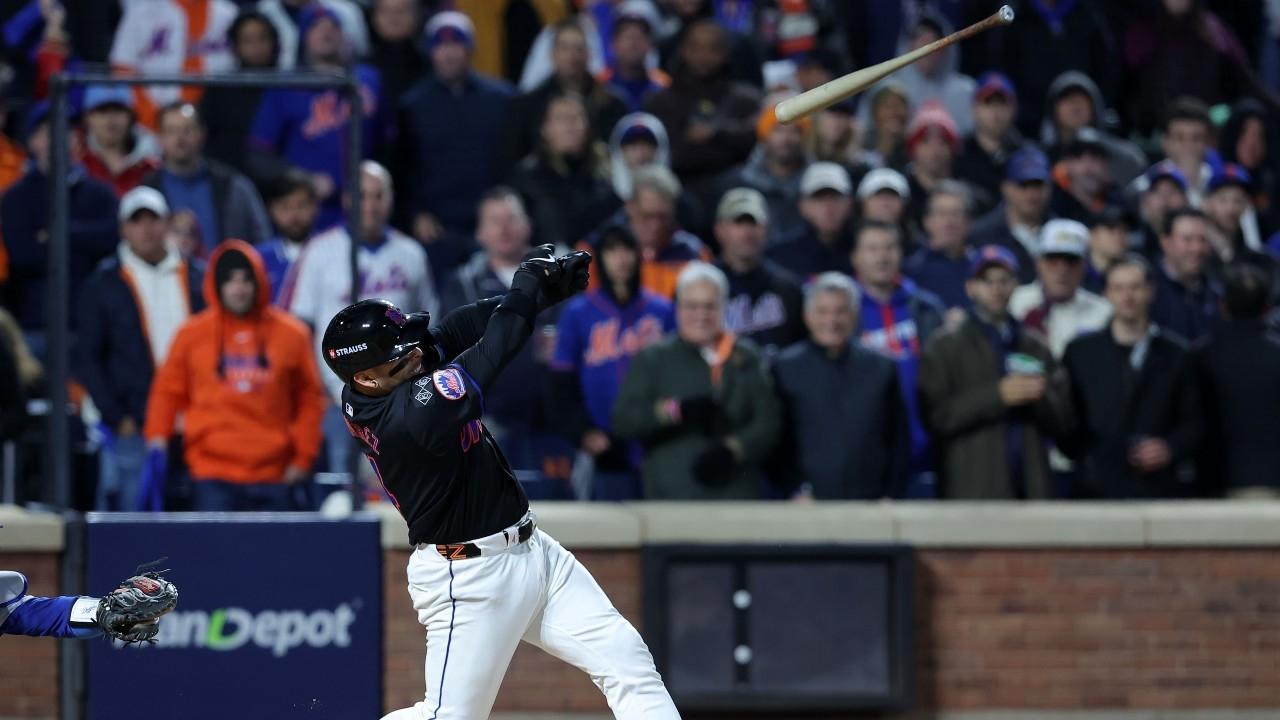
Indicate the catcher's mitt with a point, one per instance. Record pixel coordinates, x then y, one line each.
131 613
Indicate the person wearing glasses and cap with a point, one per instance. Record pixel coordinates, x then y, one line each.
991 393
1055 305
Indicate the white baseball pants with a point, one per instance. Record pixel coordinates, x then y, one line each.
476 611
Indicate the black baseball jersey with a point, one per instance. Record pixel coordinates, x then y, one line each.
426 439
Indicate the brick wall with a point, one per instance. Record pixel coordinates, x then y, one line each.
29 666
1150 629
1045 629
1048 629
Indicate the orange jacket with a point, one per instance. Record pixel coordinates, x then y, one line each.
13 160
248 422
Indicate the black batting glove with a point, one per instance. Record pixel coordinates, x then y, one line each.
574 276
538 271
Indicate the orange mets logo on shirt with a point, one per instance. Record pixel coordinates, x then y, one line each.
449 382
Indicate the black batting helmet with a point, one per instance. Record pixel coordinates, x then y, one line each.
370 333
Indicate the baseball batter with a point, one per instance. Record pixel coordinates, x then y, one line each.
482 576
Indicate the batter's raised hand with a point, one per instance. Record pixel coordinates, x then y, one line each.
574 276
538 272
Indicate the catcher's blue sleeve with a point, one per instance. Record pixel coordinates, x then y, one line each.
22 614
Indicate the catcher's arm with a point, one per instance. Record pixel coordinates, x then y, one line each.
22 614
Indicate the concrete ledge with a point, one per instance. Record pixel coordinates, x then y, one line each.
763 522
1032 524
1107 715
1269 714
921 524
590 525
25 531
1212 524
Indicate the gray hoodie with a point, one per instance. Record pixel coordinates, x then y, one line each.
948 86
1127 160
619 172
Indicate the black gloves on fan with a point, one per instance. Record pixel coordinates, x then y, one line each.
714 466
698 412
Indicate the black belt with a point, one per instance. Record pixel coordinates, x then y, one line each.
466 551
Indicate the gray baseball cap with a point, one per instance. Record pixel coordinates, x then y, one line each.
825 176
743 201
1064 237
143 198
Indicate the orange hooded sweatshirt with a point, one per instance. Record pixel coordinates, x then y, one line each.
248 385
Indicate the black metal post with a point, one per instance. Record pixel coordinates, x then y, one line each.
355 136
57 299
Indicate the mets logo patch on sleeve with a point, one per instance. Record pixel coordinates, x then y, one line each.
449 382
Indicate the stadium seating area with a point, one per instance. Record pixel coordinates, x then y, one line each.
1038 265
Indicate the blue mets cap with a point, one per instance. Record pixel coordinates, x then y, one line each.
1228 175
994 83
1166 170
989 255
1027 165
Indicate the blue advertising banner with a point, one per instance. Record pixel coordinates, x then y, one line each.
279 616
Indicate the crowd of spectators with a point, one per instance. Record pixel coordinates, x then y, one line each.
1039 264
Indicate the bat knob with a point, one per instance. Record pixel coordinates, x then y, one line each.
1006 14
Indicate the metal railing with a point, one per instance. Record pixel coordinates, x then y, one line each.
57 311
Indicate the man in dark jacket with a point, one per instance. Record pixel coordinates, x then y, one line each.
24 220
450 126
710 119
1134 393
764 300
225 203
986 151
942 265
992 394
1240 371
1186 300
130 311
821 242
1015 224
845 434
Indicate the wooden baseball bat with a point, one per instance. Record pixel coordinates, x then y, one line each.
845 86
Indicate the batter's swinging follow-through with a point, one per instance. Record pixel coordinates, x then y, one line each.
482 576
